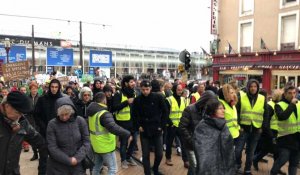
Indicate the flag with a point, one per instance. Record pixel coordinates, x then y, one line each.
230 48
204 51
262 44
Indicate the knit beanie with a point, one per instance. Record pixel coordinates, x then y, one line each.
19 101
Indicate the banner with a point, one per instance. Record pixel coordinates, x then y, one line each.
59 57
15 71
16 53
100 58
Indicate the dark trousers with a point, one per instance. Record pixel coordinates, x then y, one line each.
250 139
126 153
158 151
172 132
285 155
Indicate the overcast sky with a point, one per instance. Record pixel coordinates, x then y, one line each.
176 24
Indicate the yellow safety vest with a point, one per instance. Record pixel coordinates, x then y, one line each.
274 120
231 119
176 111
252 115
196 95
123 114
102 141
292 124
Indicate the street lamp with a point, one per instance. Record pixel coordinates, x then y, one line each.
7 48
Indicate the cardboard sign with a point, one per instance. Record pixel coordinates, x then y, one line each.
64 81
16 71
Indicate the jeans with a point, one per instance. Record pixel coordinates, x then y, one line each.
126 153
250 139
192 162
284 156
109 159
172 132
158 145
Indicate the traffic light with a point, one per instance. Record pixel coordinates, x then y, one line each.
187 62
185 57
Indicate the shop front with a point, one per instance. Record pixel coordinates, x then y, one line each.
272 71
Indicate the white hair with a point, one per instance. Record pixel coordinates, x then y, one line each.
84 90
65 109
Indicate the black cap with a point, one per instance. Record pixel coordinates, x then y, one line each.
19 101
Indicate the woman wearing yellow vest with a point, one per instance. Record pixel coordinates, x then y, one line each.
288 113
228 98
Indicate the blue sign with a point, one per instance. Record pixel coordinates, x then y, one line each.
59 57
16 53
91 70
49 69
100 58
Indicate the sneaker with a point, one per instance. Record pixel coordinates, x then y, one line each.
178 151
131 162
124 164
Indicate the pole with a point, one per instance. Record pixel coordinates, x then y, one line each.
33 50
80 45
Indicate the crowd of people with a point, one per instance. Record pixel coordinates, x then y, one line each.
72 129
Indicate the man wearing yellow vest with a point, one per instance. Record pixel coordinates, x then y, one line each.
102 134
196 96
252 117
288 139
122 102
268 138
176 104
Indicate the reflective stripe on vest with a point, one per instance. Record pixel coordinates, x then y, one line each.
176 111
292 124
274 120
123 114
231 119
196 95
102 141
252 115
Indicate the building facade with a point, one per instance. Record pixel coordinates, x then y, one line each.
125 59
257 39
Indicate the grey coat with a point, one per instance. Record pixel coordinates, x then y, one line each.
214 148
66 140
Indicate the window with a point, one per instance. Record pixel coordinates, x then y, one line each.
246 7
288 30
245 36
288 3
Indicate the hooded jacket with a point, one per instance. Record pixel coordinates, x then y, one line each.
44 109
191 116
65 140
253 98
107 120
214 149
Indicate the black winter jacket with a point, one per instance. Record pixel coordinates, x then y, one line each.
214 148
11 146
150 113
45 108
107 120
65 140
82 108
191 116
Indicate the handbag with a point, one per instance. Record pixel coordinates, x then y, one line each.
88 161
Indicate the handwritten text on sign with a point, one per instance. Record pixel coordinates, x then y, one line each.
17 70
